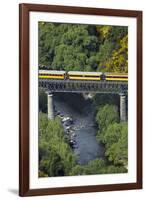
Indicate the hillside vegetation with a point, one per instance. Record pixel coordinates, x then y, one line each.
83 47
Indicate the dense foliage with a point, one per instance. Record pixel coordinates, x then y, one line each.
113 134
42 101
55 156
83 47
115 139
97 166
106 115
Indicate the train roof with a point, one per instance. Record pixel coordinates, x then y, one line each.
116 74
52 71
81 73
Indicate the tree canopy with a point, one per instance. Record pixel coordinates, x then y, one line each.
113 134
106 115
83 47
55 155
116 143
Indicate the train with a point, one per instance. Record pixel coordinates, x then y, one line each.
79 75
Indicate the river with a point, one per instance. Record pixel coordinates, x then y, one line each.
84 129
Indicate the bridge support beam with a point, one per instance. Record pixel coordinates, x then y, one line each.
50 106
123 107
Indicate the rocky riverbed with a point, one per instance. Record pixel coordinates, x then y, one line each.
77 114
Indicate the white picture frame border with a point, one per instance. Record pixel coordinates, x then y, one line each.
51 182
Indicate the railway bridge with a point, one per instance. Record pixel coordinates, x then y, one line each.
82 86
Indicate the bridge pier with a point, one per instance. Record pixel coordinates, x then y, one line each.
50 106
123 107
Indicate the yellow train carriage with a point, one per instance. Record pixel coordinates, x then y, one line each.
78 75
51 74
116 76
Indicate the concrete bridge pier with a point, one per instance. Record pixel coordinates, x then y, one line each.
123 107
50 106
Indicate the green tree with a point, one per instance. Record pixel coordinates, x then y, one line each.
112 55
77 170
100 100
105 52
55 155
119 58
53 165
112 169
97 166
68 45
116 143
42 101
107 115
93 167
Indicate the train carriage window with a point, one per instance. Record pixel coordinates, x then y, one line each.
116 76
84 75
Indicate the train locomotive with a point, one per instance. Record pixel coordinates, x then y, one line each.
79 75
